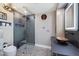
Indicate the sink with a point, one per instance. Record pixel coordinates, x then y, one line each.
62 40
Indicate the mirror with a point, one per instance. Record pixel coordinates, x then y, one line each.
71 17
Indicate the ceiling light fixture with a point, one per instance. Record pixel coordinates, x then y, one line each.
8 7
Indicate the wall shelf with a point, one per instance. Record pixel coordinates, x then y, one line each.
4 21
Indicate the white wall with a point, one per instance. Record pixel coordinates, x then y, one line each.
8 31
44 29
60 22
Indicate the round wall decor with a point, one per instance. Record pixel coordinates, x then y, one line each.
43 16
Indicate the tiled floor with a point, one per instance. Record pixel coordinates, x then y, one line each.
31 50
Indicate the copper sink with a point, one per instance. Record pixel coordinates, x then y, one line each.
62 40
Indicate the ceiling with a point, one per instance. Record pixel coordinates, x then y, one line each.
37 7
41 7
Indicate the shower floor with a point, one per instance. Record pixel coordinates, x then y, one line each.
32 50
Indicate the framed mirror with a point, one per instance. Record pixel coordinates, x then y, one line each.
71 17
43 16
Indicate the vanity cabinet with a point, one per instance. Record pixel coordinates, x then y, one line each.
73 37
63 50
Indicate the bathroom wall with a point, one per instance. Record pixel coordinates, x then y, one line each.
8 31
60 22
44 29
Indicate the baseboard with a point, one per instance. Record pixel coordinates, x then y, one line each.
43 46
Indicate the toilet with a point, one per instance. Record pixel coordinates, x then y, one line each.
10 51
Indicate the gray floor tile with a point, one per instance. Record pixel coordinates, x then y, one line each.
31 50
